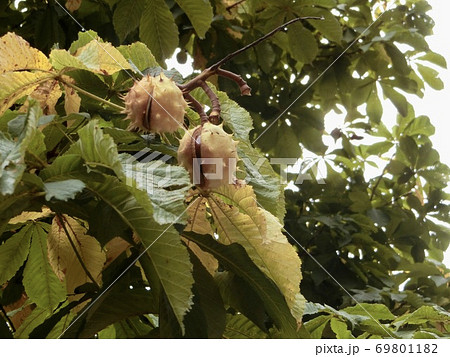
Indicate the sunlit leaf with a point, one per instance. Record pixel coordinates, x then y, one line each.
158 30
16 54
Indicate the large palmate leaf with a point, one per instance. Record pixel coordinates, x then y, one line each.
200 14
158 29
13 253
66 262
169 257
40 282
259 232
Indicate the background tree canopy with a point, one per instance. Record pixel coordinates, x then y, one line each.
70 223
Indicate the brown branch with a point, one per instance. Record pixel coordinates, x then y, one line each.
61 220
197 106
200 80
214 116
243 86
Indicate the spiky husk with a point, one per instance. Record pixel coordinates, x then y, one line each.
214 143
155 104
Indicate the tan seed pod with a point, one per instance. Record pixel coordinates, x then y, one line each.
209 142
155 104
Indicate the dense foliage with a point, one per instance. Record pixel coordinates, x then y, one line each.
76 211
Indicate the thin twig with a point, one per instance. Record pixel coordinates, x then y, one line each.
61 220
243 86
214 117
256 42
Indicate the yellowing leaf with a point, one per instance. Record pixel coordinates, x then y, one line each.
114 248
16 54
63 59
208 261
15 85
72 100
63 259
197 221
47 94
73 5
259 232
30 216
102 58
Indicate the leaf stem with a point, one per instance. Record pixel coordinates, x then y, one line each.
37 158
93 96
61 220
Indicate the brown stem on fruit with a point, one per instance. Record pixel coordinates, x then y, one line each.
243 86
214 116
146 120
197 151
197 106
